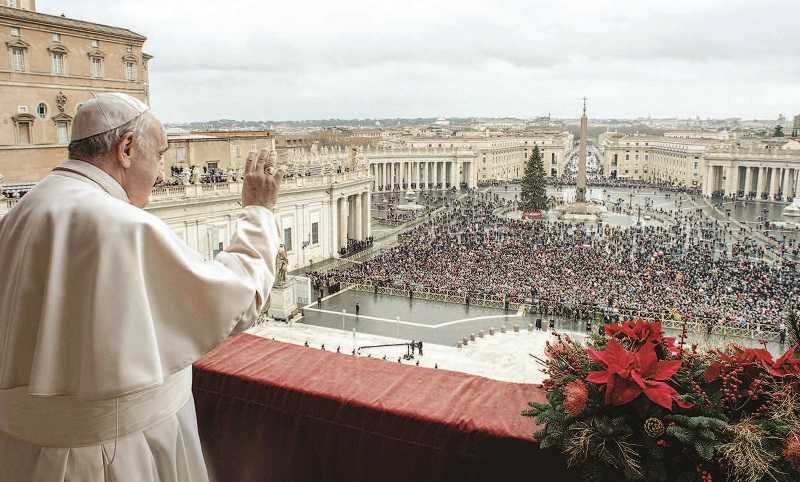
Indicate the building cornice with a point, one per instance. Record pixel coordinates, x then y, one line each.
23 117
57 48
62 117
96 53
17 42
51 21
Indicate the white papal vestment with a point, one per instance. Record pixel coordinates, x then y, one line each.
102 312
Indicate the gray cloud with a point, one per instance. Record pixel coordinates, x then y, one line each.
249 59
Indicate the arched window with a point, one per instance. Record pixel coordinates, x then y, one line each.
41 110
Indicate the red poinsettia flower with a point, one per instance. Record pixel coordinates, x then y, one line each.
757 357
785 365
629 374
640 332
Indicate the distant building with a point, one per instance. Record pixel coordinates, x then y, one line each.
720 135
53 65
498 157
763 168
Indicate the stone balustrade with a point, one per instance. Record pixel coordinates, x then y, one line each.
193 191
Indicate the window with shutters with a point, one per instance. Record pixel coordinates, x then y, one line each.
97 67
62 133
18 59
130 71
58 63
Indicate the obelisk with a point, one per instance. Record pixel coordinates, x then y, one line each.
580 193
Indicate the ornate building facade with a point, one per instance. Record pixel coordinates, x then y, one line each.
52 65
422 168
498 157
766 168
316 215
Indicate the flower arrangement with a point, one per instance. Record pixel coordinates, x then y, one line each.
635 405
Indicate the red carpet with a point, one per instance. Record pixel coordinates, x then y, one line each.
270 411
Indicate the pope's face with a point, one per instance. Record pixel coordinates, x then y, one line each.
147 165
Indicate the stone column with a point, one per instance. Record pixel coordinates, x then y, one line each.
773 184
796 184
449 170
351 218
343 208
708 181
787 180
748 180
366 214
761 182
329 223
730 181
425 175
358 232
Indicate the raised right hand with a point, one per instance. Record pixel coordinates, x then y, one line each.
262 180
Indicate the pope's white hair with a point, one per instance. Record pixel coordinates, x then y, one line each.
99 145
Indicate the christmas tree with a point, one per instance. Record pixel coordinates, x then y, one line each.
534 194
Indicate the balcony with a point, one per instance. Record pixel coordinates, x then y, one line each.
274 411
164 194
190 191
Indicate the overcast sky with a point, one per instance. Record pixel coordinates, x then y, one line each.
310 59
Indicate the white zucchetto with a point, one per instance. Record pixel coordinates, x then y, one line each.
104 113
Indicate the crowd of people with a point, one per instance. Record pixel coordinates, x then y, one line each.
180 175
695 268
355 246
609 182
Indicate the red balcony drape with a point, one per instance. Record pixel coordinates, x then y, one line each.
270 411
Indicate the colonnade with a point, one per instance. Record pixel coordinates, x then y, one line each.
353 214
761 182
421 175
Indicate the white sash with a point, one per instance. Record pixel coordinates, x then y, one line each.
66 421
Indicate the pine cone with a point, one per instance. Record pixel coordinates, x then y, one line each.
654 427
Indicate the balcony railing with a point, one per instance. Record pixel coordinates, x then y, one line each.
170 193
233 189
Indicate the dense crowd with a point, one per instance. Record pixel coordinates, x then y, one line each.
355 246
601 181
695 268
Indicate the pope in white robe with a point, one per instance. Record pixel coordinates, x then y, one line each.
103 309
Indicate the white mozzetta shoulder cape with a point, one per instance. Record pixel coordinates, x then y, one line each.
99 298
